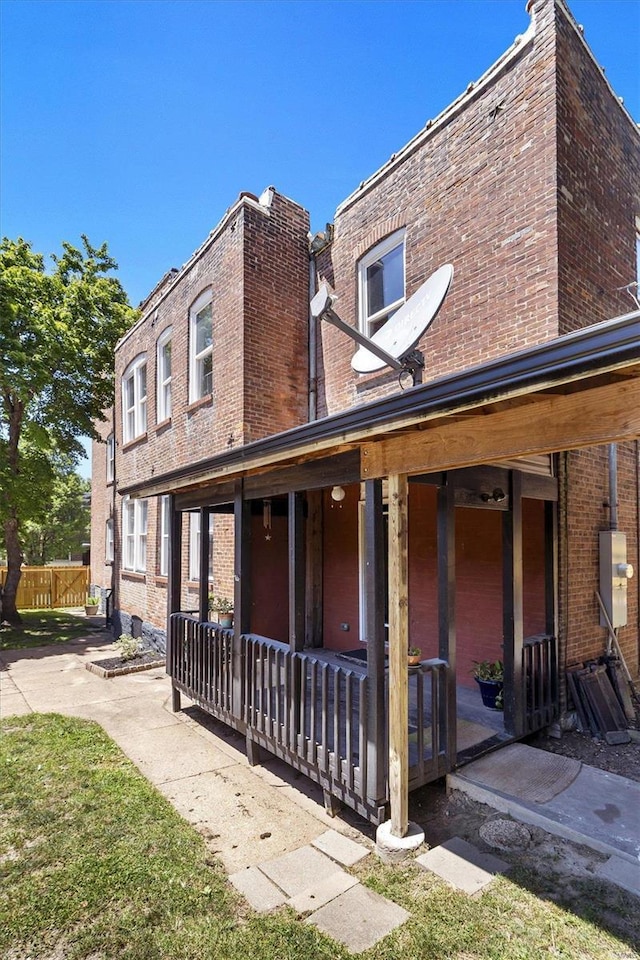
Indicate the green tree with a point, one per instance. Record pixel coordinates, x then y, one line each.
58 331
62 524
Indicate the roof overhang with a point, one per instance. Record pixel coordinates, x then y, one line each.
574 391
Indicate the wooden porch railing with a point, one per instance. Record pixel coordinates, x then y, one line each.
540 678
309 712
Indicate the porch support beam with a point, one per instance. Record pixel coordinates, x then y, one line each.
513 610
447 613
242 590
297 567
314 578
203 565
398 646
174 585
375 591
175 558
544 425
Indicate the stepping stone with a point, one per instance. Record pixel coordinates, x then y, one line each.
262 894
299 870
323 892
340 848
462 865
358 918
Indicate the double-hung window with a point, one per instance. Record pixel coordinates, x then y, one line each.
108 541
163 368
201 348
381 282
134 399
111 458
163 566
194 547
134 535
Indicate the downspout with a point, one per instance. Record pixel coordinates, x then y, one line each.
313 360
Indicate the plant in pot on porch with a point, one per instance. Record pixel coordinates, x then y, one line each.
91 605
223 607
489 675
414 656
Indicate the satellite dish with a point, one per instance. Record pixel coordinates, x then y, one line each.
400 334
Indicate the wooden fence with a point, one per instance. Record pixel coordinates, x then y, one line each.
47 587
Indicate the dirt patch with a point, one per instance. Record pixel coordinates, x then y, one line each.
551 867
622 759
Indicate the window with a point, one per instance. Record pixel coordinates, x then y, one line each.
111 458
381 282
201 348
163 525
163 368
134 400
194 546
134 535
108 541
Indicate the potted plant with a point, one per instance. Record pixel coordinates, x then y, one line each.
414 656
91 605
489 675
224 608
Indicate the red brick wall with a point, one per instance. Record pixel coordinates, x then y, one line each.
478 191
598 202
256 266
586 493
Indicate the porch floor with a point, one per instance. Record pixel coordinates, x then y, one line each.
478 727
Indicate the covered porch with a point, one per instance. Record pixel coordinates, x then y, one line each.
369 734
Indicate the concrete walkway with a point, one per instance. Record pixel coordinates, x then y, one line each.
564 797
267 823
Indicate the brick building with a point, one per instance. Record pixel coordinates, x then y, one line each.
246 457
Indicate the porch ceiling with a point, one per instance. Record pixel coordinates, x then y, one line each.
574 391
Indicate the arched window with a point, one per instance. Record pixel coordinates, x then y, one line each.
134 399
201 348
163 376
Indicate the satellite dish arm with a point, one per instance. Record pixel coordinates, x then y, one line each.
322 309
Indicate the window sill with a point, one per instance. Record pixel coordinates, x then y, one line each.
202 402
134 576
133 443
163 425
161 580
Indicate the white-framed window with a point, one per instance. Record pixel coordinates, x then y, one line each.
201 348
163 535
108 541
111 458
381 282
134 399
163 378
134 535
194 546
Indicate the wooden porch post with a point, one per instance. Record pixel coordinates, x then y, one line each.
296 571
398 646
447 612
513 611
375 588
314 574
174 585
203 564
242 589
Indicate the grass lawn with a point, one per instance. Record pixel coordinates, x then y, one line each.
95 863
42 627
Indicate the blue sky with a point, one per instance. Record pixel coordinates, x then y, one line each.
139 122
